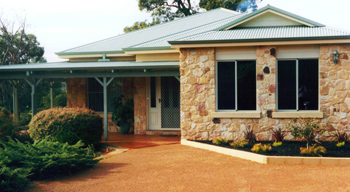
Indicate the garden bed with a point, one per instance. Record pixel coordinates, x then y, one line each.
268 159
292 148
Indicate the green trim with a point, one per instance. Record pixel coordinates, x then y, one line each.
87 53
258 40
147 48
269 7
82 74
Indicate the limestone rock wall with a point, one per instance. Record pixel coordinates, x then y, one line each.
76 92
140 107
197 70
335 86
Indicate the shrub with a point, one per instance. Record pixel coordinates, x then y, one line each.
7 126
46 159
13 180
340 144
249 135
278 134
220 141
313 151
341 136
85 123
277 144
261 148
67 137
25 119
306 130
239 143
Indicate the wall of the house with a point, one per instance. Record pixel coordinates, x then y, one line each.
140 109
76 92
198 100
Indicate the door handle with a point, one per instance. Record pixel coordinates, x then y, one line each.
160 100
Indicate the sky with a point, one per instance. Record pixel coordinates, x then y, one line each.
65 24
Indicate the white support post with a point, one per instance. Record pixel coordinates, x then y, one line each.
33 83
51 95
15 100
105 112
105 84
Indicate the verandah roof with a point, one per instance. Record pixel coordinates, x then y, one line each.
89 69
34 73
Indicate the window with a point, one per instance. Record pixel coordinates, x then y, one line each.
236 85
297 87
95 95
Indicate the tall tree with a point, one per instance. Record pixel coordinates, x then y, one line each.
17 47
167 10
236 5
163 11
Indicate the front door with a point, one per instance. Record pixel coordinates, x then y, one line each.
164 103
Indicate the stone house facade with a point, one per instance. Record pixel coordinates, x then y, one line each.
216 73
201 121
201 116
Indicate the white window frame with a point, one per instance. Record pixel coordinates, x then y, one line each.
296 86
236 88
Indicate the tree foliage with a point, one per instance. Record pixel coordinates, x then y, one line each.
19 47
168 10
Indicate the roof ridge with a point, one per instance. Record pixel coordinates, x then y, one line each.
193 28
148 28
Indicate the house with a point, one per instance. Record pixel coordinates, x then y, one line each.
211 74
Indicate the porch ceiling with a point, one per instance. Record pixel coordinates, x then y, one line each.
89 69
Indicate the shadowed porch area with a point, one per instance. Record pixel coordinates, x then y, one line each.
131 141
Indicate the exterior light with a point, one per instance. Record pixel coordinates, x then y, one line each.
335 56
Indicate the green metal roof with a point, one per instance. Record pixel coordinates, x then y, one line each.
261 34
162 31
59 66
206 27
89 69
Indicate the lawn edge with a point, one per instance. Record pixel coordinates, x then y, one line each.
263 159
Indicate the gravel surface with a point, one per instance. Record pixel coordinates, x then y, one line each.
182 168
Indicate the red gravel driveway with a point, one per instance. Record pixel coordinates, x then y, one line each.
182 168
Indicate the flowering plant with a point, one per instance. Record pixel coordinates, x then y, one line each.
261 148
313 151
306 130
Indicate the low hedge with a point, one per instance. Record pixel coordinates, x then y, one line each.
13 180
46 159
85 123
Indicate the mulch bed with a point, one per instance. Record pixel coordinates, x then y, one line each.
292 148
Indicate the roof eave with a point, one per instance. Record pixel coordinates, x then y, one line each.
257 40
87 53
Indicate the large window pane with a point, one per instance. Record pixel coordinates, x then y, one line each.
114 90
286 85
308 85
226 85
246 85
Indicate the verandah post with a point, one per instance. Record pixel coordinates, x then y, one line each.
15 99
33 83
105 84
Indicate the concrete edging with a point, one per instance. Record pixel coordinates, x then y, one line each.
263 159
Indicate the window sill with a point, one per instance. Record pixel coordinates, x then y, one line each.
310 114
246 114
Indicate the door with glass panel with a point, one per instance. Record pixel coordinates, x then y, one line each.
164 103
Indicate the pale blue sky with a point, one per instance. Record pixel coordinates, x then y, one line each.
64 24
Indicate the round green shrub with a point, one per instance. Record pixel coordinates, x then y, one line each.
85 123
